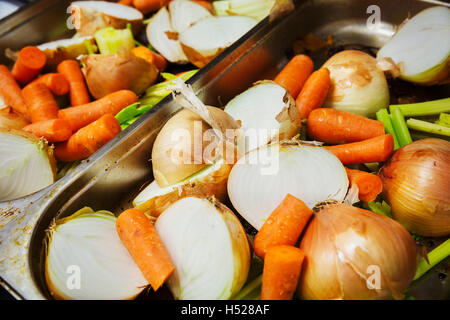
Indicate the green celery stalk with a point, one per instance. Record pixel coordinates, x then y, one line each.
425 126
127 113
89 47
434 257
252 291
143 109
400 127
380 208
372 166
383 116
424 108
444 120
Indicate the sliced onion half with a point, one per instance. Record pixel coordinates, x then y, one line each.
59 50
184 13
27 164
261 179
420 50
208 246
86 259
266 110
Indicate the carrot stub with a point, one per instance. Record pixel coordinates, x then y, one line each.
56 82
284 225
313 93
10 91
89 139
147 6
79 93
282 267
376 149
54 130
112 103
295 73
336 126
369 185
145 246
154 58
29 63
40 101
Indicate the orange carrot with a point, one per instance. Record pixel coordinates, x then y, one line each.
78 91
369 185
284 225
10 91
376 149
281 272
141 239
54 130
89 139
205 4
29 63
314 92
336 126
41 103
147 6
125 2
295 73
112 103
154 58
56 82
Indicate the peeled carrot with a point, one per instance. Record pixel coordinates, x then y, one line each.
56 82
336 126
147 6
205 4
281 272
29 63
284 225
145 246
54 130
10 91
154 58
112 103
376 149
41 103
89 139
78 90
295 73
369 185
125 2
313 93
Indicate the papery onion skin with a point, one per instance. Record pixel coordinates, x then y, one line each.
416 184
345 245
12 120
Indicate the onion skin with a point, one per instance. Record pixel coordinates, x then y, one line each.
340 244
416 184
12 120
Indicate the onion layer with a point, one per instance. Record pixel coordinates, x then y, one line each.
353 253
416 184
12 120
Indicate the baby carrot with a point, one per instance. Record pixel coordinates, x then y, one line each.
53 130
295 73
89 139
284 225
314 92
205 4
281 272
29 63
146 248
41 104
10 91
112 103
125 2
154 58
78 90
376 149
336 126
369 185
56 82
147 6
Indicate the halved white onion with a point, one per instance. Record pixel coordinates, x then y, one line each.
208 246
59 50
420 50
261 179
266 112
184 13
86 259
27 164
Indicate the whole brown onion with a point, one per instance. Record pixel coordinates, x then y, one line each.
352 253
416 184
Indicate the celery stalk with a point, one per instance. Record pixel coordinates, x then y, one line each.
383 116
252 291
380 208
425 126
400 127
434 257
127 113
424 108
110 40
444 120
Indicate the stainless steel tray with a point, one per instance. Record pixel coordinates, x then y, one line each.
113 176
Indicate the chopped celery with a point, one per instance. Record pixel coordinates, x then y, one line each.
424 108
400 127
383 116
444 120
425 126
89 47
434 257
251 291
168 76
110 40
380 208
127 113
372 166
